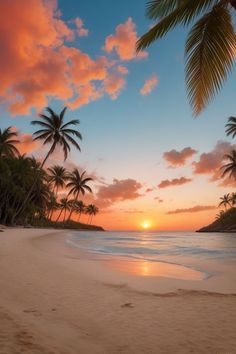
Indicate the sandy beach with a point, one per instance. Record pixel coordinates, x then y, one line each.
57 303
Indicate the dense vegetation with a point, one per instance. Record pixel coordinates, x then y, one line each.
29 192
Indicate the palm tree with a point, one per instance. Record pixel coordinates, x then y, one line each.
79 208
57 177
210 46
230 167
63 206
220 214
233 199
91 210
56 132
7 143
78 185
225 200
231 127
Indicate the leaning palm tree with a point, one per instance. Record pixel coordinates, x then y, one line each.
7 142
57 176
58 133
91 210
230 167
78 185
231 127
210 46
225 200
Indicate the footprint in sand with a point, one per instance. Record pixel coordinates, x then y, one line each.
128 304
35 312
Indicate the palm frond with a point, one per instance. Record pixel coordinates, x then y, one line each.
210 54
185 13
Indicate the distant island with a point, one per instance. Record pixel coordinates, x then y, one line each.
226 222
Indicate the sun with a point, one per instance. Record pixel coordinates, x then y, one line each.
146 225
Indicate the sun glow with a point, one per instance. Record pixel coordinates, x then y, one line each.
146 225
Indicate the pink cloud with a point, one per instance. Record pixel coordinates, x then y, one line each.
148 190
149 85
82 32
123 42
37 64
174 182
194 209
113 84
118 190
178 158
210 163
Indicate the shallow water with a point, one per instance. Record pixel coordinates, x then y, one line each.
173 254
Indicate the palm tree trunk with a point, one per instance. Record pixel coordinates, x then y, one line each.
71 212
59 215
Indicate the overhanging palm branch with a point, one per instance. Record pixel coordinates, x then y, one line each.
210 47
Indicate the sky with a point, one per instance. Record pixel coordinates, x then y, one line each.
151 160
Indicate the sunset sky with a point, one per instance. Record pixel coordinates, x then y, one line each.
151 161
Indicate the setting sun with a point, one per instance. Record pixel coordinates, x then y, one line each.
146 225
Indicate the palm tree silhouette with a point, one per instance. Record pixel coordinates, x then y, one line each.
230 167
63 206
57 177
78 185
57 132
231 127
91 210
79 208
225 200
210 46
7 143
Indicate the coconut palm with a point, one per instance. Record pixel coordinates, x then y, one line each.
91 210
7 142
57 176
230 167
231 127
79 208
58 133
225 200
78 185
210 46
63 206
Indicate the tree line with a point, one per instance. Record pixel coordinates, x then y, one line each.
29 192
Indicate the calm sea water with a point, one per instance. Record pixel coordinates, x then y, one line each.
156 246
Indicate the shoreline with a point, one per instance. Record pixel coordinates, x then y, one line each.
69 304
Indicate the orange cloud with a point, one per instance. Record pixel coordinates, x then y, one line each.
194 209
118 190
123 42
36 63
174 182
178 158
210 163
149 85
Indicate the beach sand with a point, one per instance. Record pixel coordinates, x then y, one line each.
57 303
